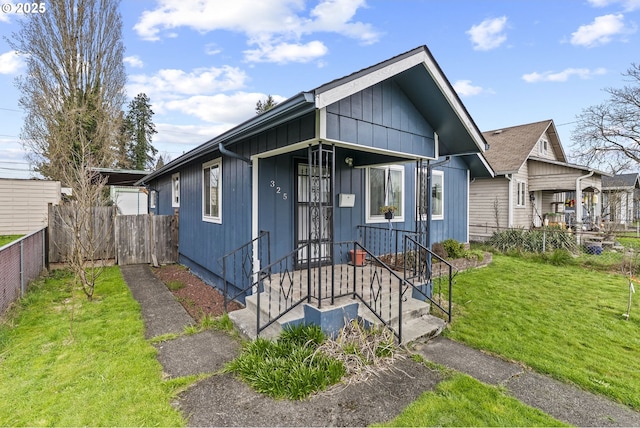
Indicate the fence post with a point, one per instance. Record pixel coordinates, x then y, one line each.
22 290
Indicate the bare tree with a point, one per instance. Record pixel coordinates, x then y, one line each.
607 136
74 58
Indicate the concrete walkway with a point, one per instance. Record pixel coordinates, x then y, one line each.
221 400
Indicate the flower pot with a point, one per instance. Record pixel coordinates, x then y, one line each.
358 258
388 215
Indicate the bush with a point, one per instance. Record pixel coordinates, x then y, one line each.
454 249
438 250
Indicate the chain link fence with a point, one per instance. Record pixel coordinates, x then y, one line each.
21 262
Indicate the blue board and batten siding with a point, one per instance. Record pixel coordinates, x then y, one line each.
383 117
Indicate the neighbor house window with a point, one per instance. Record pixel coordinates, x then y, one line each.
175 190
522 190
212 191
385 187
437 195
152 199
544 147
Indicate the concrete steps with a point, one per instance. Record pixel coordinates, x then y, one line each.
416 321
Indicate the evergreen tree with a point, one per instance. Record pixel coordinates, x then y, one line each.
267 104
139 130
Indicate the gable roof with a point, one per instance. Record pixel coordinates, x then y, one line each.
417 74
620 181
509 148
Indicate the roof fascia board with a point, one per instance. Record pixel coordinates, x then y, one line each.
570 165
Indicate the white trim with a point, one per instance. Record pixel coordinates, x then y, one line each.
441 174
211 218
153 196
379 218
175 199
468 200
254 218
321 131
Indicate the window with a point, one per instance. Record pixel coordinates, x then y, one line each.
437 195
522 190
544 146
152 199
385 187
175 190
212 191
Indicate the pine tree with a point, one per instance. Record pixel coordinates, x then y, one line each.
139 129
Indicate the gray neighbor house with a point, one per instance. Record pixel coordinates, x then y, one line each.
313 200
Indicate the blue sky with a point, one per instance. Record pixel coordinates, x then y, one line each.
205 64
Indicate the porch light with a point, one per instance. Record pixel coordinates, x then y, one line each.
349 161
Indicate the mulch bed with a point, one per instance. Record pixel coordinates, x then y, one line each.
198 298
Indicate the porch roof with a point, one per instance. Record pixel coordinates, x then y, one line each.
556 176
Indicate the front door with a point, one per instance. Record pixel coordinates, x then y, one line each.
313 212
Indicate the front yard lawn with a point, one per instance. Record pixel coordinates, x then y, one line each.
565 321
65 361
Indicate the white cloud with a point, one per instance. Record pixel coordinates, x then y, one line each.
219 108
628 5
276 25
10 62
562 76
168 83
601 31
134 61
287 52
489 34
464 88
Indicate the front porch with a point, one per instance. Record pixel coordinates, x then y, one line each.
402 299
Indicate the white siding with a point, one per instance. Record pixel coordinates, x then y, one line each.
130 200
23 204
485 196
539 152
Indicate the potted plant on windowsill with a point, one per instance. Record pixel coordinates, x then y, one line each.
388 211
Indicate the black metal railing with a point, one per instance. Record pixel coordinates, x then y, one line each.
282 286
430 275
386 243
380 289
239 266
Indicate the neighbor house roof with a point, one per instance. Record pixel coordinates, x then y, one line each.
621 181
415 72
509 148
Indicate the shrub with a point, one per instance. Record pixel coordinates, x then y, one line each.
454 249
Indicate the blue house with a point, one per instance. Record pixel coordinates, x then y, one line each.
292 206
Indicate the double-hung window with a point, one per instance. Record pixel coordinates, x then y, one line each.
385 188
175 190
212 191
522 190
437 195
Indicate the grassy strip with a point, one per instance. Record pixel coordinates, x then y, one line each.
464 401
5 239
565 321
65 361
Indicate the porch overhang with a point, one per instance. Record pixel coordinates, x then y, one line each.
549 175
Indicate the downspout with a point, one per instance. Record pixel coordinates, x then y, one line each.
226 152
510 203
578 204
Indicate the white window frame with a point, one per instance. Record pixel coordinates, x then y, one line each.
153 196
208 217
544 147
175 190
439 216
521 193
379 217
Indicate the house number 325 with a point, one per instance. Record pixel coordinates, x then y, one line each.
278 190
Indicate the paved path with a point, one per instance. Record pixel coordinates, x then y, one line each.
221 400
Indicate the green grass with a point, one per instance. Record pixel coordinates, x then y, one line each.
464 401
565 321
290 367
65 361
5 239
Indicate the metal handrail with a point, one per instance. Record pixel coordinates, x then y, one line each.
244 250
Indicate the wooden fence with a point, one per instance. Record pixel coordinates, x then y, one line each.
129 239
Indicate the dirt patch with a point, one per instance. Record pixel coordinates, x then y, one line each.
198 298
